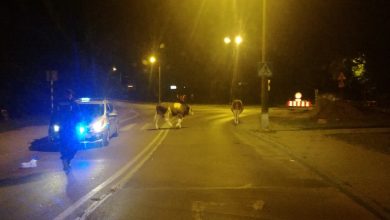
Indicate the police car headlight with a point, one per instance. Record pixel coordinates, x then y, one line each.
56 128
98 125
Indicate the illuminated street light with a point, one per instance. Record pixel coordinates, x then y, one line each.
227 40
114 69
152 60
238 40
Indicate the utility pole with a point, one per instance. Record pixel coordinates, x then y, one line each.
159 82
264 74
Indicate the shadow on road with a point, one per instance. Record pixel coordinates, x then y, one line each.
18 180
173 128
43 145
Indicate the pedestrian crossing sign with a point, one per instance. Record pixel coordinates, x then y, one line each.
264 70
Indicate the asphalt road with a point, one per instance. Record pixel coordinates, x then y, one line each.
209 169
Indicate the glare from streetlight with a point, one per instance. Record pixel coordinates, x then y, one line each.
152 59
238 40
227 40
114 68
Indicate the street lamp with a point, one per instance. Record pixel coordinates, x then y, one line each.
152 60
227 40
114 69
237 40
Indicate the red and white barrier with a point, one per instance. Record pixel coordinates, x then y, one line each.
301 103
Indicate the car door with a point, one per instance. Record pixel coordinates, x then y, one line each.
112 119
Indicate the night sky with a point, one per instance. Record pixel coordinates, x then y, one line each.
83 40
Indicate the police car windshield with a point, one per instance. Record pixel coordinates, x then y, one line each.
91 110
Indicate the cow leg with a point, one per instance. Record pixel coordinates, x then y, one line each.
178 124
235 112
166 117
156 119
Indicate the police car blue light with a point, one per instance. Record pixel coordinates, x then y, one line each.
56 128
81 129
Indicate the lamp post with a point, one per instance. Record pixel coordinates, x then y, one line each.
152 60
237 40
114 69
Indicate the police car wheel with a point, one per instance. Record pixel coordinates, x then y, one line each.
106 138
116 133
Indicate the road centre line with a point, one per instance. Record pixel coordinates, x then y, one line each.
123 180
139 165
161 135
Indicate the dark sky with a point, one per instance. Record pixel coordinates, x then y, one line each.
84 39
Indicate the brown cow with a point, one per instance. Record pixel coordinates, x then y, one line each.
176 109
237 108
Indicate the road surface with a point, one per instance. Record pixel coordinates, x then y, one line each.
208 169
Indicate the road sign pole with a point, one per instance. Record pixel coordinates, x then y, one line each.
264 80
51 76
159 83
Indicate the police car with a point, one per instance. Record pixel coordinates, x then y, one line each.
97 121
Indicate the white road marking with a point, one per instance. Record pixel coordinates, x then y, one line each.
159 137
127 127
139 165
122 181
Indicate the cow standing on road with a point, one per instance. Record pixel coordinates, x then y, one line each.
176 109
237 108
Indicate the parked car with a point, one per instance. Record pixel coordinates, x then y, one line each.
97 121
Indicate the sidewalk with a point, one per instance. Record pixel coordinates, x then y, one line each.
355 157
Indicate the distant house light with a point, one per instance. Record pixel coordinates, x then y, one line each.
130 86
173 87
